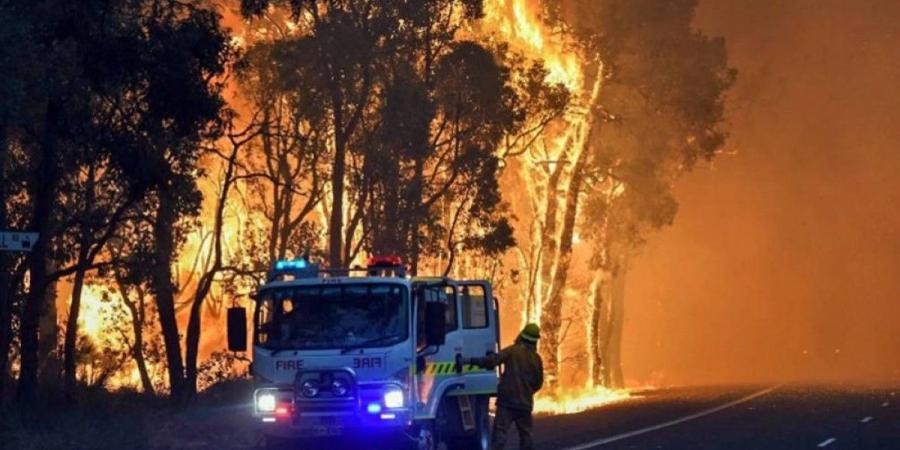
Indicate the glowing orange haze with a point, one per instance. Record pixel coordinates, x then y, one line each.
784 261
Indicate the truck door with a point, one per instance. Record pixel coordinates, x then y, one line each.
435 366
479 327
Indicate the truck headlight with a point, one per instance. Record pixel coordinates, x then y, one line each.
393 398
340 388
309 388
265 402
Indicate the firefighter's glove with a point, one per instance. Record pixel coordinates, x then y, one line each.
460 363
474 362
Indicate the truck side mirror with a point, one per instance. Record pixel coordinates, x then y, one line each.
237 329
435 323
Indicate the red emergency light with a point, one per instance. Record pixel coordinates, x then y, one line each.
386 266
385 261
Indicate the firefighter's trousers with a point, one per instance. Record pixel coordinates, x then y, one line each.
506 417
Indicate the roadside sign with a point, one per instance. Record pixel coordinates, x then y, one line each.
17 241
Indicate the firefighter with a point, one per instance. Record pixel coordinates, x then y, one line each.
522 377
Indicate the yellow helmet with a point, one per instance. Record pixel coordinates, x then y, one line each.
531 332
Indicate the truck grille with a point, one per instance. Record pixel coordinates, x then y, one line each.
335 393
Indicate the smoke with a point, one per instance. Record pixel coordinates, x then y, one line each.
784 260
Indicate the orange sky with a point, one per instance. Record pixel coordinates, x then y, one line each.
784 261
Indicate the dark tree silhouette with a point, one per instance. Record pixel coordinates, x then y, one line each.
118 100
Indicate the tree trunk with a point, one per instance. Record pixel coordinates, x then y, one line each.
85 258
549 247
336 224
595 328
617 320
412 239
6 288
6 299
192 342
43 190
48 333
137 353
137 326
69 363
551 322
164 290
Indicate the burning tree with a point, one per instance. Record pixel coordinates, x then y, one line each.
666 87
439 130
648 94
410 121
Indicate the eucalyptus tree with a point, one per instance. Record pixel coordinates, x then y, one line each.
20 61
664 91
408 131
127 91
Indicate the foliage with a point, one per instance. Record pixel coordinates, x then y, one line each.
383 96
665 96
222 367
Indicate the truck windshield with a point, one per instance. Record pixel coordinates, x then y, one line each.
332 316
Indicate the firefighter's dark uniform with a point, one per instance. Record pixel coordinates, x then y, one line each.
522 377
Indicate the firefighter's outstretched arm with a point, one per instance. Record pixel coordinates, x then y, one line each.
490 361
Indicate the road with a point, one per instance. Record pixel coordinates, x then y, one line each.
760 417
786 417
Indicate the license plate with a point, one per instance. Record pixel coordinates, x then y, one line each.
320 430
328 421
327 426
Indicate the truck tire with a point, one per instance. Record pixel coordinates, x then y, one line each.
426 439
480 437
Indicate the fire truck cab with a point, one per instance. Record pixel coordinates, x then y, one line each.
370 353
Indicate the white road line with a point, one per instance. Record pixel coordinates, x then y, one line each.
827 442
866 419
885 404
604 441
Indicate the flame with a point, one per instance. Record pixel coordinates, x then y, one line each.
518 23
95 315
571 401
520 26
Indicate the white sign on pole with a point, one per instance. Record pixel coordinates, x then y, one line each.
17 241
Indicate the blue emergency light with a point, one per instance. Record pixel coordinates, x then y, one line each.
288 264
298 268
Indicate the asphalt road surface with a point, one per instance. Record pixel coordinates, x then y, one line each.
760 417
786 417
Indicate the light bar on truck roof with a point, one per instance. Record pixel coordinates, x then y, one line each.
386 266
291 264
298 268
385 261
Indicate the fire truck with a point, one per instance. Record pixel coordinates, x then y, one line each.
370 353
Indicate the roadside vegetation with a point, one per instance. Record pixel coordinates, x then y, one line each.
127 419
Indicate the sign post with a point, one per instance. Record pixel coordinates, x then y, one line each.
17 241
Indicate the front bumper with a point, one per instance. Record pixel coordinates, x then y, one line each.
357 416
394 424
